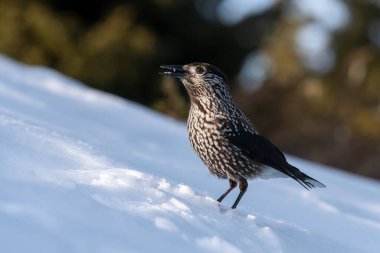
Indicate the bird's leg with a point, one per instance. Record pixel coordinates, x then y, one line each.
233 184
243 186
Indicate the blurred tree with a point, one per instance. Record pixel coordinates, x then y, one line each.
334 116
118 45
312 88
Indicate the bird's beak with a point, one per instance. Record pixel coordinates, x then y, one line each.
175 71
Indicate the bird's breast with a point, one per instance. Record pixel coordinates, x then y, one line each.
210 144
204 133
208 136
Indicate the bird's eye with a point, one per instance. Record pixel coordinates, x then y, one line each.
200 70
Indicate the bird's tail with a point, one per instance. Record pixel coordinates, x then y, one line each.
302 178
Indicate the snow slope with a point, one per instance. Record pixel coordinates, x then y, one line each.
85 171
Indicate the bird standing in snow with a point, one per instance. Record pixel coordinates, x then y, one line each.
222 135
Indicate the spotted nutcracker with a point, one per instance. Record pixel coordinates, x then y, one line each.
223 137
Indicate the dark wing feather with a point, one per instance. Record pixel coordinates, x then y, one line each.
261 150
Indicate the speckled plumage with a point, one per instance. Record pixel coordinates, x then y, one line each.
208 135
222 135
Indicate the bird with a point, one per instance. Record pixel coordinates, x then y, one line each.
223 137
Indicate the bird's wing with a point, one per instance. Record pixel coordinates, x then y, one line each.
261 150
258 148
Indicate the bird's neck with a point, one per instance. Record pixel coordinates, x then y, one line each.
212 106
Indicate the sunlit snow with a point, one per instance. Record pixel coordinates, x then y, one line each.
85 171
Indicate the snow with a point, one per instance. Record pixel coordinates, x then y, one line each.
86 171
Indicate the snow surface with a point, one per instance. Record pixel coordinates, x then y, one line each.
85 171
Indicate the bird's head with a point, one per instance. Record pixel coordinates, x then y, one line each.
201 80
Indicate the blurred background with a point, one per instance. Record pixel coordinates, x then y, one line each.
306 72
